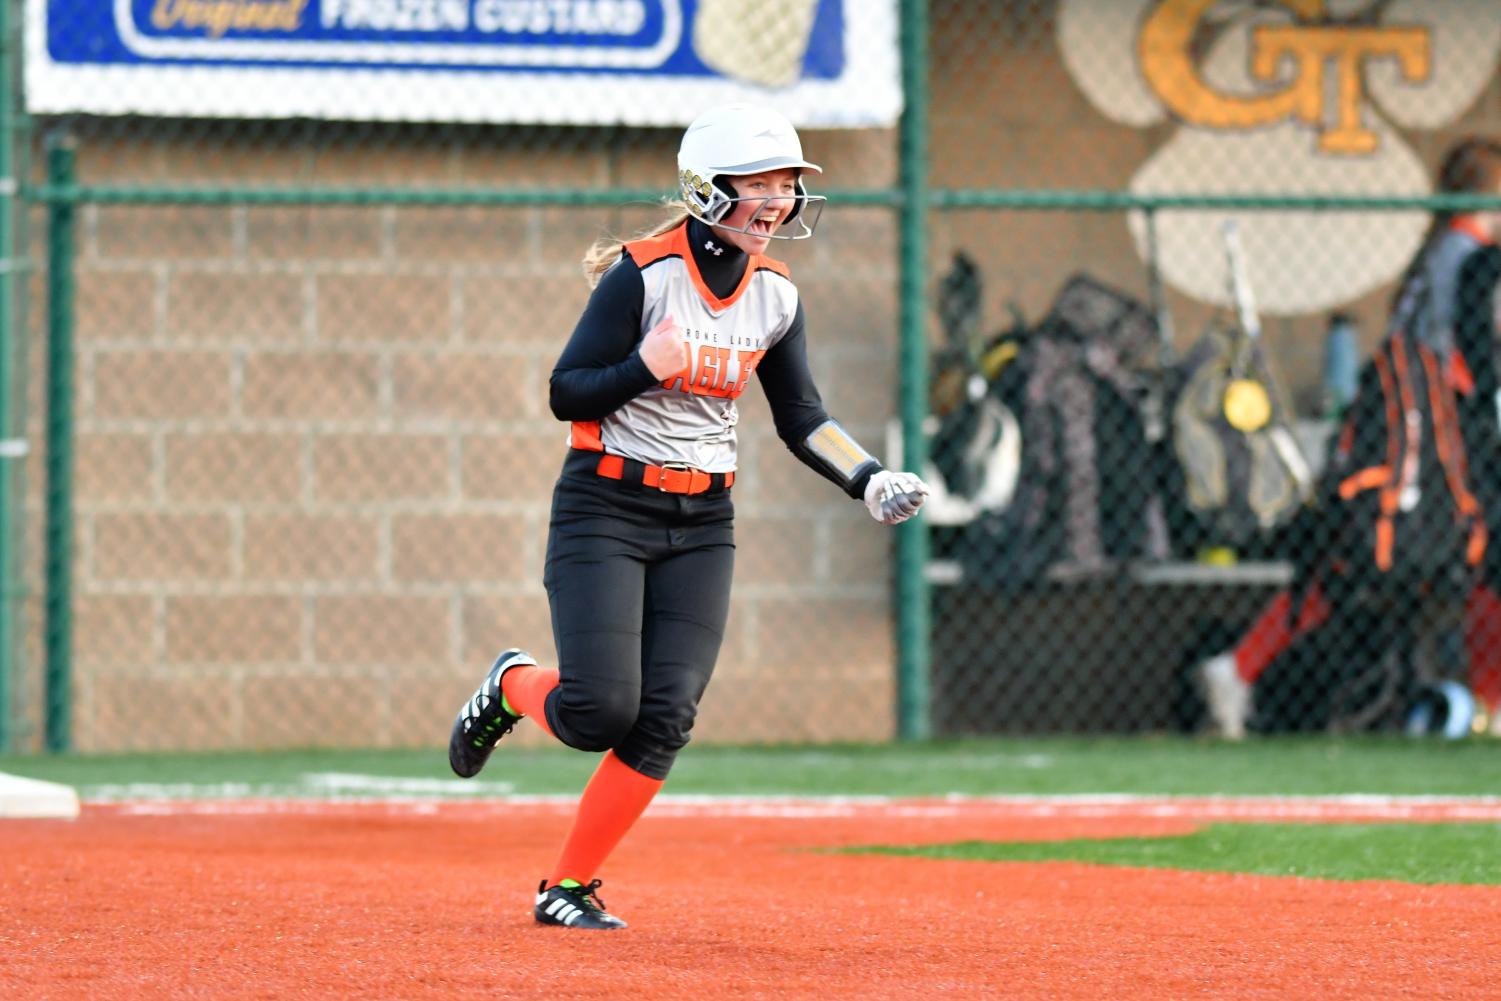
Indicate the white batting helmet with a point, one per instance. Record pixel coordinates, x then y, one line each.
735 140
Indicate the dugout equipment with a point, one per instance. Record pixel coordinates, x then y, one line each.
975 452
1249 398
736 140
1446 710
1393 543
1236 484
1243 470
1404 501
1073 387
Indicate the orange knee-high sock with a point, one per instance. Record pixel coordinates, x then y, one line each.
525 689
612 802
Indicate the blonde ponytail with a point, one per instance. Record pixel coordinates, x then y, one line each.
606 250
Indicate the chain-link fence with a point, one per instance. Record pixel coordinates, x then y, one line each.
311 264
314 464
1153 521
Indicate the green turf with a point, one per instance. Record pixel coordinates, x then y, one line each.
1409 853
1050 766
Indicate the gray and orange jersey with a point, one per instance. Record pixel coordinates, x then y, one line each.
741 315
690 418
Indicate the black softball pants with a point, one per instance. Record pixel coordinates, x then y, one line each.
638 582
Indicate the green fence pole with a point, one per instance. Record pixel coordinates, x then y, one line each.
912 593
12 447
59 544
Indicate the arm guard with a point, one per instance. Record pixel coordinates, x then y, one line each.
831 450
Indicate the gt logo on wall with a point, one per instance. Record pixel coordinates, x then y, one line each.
1304 97
634 62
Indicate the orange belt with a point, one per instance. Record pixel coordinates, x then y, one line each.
669 479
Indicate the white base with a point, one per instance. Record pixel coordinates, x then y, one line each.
32 798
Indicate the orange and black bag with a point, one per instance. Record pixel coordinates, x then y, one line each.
1399 505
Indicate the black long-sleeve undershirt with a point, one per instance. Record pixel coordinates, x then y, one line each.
601 369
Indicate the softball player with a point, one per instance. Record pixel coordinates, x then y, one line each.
641 547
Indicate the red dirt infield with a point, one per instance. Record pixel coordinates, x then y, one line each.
727 900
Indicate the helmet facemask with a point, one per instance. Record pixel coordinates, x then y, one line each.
714 200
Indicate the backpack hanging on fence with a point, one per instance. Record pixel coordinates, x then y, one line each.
1236 485
1243 470
1082 496
1398 487
975 450
1396 525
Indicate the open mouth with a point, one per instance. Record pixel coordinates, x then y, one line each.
762 227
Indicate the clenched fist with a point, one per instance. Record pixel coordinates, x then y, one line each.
664 349
892 498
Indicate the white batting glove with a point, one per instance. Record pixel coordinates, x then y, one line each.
892 498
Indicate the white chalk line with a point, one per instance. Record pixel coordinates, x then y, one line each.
1231 808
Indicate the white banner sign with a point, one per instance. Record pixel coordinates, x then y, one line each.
633 62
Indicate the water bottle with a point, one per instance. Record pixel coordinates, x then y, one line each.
1341 364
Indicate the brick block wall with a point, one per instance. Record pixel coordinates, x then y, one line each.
315 457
